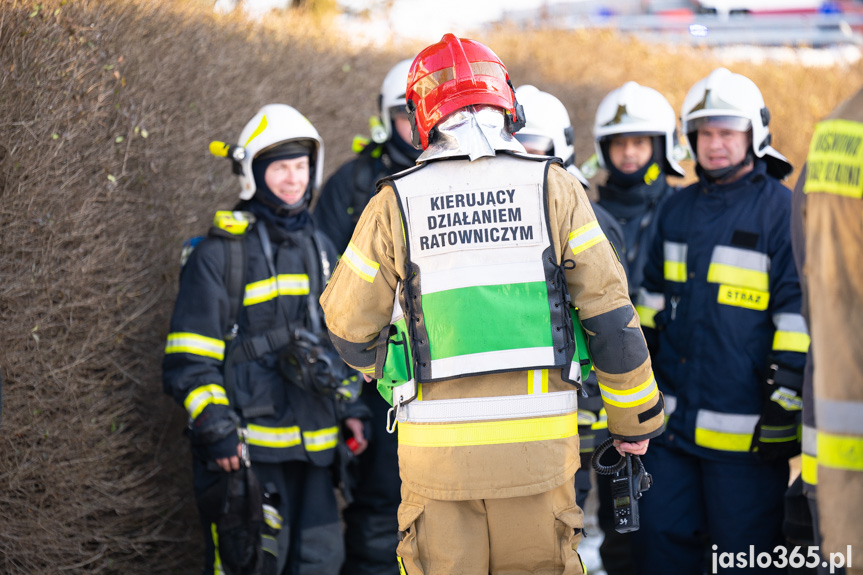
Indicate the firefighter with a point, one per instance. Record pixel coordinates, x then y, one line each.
454 294
371 527
635 134
548 132
828 197
727 340
248 300
346 192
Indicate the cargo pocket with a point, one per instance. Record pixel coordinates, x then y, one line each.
407 551
568 524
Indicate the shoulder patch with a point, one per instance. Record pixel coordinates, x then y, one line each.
235 223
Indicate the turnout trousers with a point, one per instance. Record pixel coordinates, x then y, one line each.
310 542
698 509
535 534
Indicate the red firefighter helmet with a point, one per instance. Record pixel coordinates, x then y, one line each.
452 74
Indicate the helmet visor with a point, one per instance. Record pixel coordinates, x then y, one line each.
535 143
735 123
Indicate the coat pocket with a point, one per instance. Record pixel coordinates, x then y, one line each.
568 523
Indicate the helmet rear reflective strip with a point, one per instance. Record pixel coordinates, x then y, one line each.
184 342
481 319
537 381
835 159
273 436
509 359
488 69
840 417
675 261
739 267
285 284
203 396
630 397
322 439
724 431
365 268
791 333
489 433
427 84
492 408
837 451
586 236
261 127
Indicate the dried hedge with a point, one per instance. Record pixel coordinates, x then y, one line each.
106 109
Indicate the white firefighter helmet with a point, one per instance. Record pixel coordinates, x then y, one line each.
547 127
273 125
393 93
634 109
736 100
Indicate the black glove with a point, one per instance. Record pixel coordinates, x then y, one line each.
777 435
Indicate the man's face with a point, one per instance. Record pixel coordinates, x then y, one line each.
288 179
630 153
719 147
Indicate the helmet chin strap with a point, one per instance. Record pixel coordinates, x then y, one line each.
720 175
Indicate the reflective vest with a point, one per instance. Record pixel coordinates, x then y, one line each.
485 292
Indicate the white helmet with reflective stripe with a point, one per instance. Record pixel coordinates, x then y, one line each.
729 96
273 125
634 109
393 93
547 127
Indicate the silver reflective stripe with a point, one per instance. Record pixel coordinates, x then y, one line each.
492 361
841 417
575 370
726 422
367 269
740 258
652 300
792 322
488 274
674 252
272 517
809 444
273 436
404 392
492 408
670 404
584 237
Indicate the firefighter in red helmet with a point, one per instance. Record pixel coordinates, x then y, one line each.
458 293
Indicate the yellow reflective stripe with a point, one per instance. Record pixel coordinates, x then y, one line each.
791 341
629 397
488 432
273 436
646 316
270 288
835 159
724 431
201 397
585 237
184 342
261 127
840 451
741 277
235 223
217 564
742 297
602 422
321 439
674 254
365 268
809 469
272 517
537 381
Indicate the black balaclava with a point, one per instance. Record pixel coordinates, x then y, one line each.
403 154
622 181
265 203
